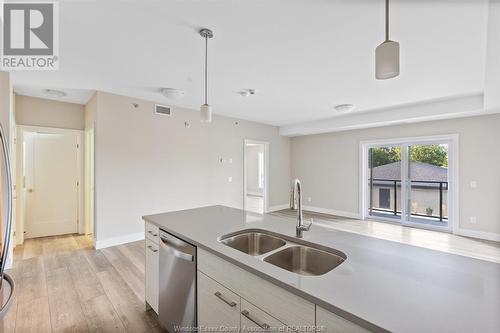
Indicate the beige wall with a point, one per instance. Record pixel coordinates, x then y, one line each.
147 163
328 166
34 111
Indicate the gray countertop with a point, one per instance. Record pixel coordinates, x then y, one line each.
382 285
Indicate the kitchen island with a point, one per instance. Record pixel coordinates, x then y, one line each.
382 286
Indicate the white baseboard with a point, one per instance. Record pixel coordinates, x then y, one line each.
477 234
333 212
277 208
101 244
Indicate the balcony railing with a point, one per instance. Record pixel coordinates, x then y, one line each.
425 184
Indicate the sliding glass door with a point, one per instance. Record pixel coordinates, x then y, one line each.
385 182
428 184
408 183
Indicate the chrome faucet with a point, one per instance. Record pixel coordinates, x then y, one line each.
296 204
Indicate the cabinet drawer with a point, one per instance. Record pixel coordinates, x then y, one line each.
255 320
152 232
331 323
152 274
263 294
218 307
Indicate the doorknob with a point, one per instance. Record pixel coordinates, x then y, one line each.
30 190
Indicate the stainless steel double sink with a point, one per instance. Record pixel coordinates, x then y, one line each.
285 252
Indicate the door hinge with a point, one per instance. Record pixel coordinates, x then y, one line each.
77 183
77 145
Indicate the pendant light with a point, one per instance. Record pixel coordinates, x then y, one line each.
387 54
205 109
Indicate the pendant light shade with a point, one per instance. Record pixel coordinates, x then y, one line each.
206 113
206 109
387 60
387 54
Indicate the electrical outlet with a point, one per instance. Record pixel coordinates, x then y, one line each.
473 184
229 179
473 219
309 199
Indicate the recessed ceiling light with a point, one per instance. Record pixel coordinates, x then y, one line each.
344 108
172 93
54 93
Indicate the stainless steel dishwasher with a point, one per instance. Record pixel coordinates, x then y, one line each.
177 305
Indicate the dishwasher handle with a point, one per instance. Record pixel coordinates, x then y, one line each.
174 246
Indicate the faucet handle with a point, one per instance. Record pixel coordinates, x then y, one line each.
308 226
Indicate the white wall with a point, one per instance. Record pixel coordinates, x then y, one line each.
252 168
147 163
492 73
328 166
33 111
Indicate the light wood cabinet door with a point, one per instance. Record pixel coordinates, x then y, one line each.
254 319
331 323
152 274
218 307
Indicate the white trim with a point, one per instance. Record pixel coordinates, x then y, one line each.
335 212
477 234
101 244
266 172
453 174
277 208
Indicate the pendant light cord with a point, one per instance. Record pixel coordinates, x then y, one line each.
386 20
206 69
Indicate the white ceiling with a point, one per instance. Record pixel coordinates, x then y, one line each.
302 57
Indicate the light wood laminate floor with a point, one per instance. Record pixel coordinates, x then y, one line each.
64 285
465 246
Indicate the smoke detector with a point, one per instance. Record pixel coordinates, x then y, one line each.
344 108
172 93
246 92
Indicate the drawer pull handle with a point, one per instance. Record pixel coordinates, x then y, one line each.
255 320
152 249
152 233
222 298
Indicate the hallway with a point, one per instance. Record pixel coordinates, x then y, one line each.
64 285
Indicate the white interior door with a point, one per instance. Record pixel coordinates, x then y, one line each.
51 184
255 176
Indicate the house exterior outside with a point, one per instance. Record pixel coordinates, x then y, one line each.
429 188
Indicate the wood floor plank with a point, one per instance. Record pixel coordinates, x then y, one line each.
33 316
127 305
32 248
85 280
130 273
66 312
101 315
98 261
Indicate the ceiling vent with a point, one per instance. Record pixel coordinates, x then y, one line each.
163 110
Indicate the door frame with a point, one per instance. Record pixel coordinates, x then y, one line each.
453 174
21 130
266 172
